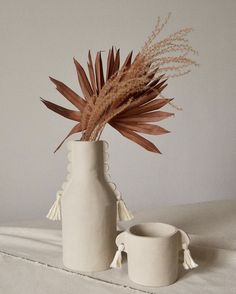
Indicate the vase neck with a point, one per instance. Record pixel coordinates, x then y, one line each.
86 157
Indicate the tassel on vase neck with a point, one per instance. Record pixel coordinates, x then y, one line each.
123 214
55 211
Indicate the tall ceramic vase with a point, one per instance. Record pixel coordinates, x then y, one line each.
88 208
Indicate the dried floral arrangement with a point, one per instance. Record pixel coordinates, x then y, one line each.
130 95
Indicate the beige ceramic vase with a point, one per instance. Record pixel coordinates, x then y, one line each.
88 207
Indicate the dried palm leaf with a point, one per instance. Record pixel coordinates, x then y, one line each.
143 128
110 64
137 138
91 73
147 107
69 94
116 65
127 62
146 117
71 114
99 71
76 129
83 81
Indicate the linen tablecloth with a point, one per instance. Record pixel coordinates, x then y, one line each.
31 255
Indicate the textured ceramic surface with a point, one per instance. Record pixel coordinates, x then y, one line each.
153 253
88 210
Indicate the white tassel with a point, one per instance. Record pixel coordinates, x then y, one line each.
188 263
123 213
117 260
55 211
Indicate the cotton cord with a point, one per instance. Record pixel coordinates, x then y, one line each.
54 213
188 263
123 214
117 260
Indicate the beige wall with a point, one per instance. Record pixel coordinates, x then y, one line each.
39 38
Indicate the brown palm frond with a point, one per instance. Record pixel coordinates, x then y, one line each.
71 114
76 129
143 128
147 96
127 62
110 64
116 65
83 81
99 71
69 94
91 73
146 117
137 138
147 107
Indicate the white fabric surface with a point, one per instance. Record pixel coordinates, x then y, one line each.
30 255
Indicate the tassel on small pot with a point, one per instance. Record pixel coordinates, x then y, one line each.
117 260
55 211
188 263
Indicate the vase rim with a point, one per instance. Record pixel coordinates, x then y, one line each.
88 143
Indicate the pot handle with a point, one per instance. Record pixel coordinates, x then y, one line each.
188 262
120 242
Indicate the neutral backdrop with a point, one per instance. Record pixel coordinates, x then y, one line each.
40 38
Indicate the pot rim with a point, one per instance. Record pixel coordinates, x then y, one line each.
174 230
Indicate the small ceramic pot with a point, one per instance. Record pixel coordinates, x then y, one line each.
153 253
